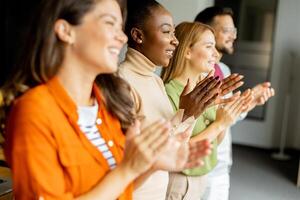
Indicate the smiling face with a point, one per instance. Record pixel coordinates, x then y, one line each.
225 33
203 54
99 38
159 41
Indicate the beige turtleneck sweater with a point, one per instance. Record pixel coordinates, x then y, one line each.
148 89
152 103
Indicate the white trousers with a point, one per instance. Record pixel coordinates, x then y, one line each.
217 187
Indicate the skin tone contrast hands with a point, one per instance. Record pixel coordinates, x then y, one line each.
207 92
203 95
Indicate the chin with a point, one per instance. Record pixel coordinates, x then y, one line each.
165 63
112 68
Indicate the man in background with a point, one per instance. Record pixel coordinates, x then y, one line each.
221 20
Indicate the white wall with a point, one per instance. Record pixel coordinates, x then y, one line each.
287 58
185 10
286 43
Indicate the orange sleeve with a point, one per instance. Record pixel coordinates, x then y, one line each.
31 152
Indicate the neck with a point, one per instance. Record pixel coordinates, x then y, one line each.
220 56
76 81
188 73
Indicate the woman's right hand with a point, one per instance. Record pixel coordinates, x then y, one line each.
143 147
228 113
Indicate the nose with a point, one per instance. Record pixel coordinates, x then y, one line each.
121 37
216 54
234 34
174 40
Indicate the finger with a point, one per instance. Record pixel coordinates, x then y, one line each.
200 86
193 163
210 101
237 108
155 134
200 148
207 94
185 135
209 75
231 87
158 145
266 97
214 84
233 78
261 101
133 130
153 126
246 103
199 154
230 77
230 99
246 93
230 107
266 84
272 91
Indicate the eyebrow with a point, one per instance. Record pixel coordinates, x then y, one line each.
166 24
209 43
108 15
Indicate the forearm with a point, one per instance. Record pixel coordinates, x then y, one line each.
111 186
210 133
142 178
221 137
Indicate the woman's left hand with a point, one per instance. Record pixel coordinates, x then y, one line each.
182 154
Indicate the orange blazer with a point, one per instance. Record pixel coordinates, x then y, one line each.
49 155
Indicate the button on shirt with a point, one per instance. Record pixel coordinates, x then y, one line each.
87 122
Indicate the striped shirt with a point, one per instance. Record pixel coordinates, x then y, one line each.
87 122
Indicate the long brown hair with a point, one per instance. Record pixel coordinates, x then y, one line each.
44 52
187 33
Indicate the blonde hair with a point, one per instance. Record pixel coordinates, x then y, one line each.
187 33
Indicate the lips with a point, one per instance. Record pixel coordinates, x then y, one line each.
114 51
170 52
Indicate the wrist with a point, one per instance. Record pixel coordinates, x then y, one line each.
127 172
221 125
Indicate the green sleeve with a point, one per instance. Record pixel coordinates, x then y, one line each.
173 96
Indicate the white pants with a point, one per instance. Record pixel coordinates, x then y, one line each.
217 188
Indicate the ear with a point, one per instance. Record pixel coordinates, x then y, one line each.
137 35
188 54
64 31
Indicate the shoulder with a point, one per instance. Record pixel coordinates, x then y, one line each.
36 99
173 88
225 69
127 74
33 108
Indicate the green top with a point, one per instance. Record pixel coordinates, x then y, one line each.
174 88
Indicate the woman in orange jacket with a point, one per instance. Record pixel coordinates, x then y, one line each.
64 135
